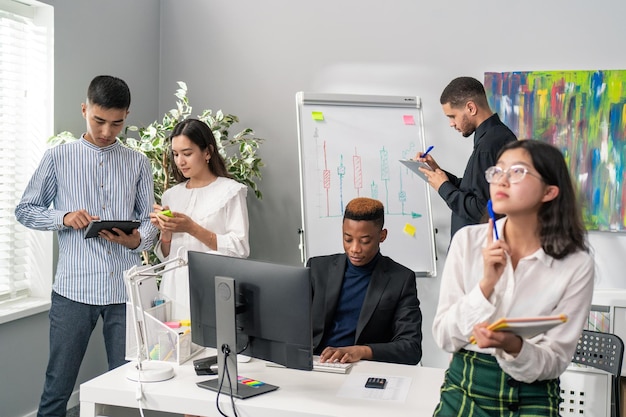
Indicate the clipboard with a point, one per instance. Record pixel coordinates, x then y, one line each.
415 165
526 327
126 226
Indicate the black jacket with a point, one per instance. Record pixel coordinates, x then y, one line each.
467 197
390 322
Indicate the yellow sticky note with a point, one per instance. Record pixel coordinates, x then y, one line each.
409 229
408 119
317 115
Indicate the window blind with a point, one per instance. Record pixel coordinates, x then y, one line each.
25 119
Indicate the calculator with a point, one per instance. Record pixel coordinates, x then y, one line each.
376 383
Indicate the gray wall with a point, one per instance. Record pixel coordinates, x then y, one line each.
250 58
118 38
91 38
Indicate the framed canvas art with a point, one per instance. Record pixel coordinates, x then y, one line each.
583 113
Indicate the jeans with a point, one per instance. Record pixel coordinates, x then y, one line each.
71 325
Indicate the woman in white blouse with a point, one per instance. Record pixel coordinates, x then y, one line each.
533 262
208 209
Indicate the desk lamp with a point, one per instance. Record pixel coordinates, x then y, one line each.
146 370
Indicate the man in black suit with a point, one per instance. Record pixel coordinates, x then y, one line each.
365 305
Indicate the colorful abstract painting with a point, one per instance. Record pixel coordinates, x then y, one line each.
583 113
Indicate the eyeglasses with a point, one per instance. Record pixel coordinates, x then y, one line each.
514 174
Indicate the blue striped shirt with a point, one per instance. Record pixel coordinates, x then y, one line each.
114 183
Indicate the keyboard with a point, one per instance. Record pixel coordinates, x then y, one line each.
335 367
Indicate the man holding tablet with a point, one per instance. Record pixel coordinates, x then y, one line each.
93 178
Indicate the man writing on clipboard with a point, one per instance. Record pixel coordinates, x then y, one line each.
92 178
464 102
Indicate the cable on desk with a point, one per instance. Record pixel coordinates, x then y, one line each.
139 392
245 347
225 374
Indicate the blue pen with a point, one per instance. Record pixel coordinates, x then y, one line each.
493 217
430 148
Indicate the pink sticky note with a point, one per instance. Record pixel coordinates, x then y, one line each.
408 119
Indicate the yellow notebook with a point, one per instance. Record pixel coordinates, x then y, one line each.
526 327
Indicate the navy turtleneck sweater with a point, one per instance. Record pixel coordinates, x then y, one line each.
356 279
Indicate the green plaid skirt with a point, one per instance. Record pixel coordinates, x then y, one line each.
476 386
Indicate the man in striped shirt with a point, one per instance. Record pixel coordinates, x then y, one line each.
95 177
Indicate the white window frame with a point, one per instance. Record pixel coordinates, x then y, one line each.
26 286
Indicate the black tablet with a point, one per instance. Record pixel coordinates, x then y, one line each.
126 226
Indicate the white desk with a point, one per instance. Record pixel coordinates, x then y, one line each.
301 393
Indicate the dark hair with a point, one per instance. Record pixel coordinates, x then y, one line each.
561 227
367 209
109 92
199 133
463 89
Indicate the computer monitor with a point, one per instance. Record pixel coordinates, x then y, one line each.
271 309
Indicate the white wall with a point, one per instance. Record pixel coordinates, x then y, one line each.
250 58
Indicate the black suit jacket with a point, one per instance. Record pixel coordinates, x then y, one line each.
390 322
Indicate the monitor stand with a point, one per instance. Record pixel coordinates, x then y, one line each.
226 336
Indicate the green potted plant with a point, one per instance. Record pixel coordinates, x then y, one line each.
239 150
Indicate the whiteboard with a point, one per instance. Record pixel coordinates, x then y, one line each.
351 146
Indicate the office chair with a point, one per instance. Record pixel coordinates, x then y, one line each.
603 351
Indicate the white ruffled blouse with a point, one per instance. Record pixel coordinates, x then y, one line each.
219 207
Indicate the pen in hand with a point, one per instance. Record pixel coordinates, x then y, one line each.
493 217
430 148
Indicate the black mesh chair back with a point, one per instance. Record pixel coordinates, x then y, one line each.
603 351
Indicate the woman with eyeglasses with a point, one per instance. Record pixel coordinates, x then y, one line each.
539 266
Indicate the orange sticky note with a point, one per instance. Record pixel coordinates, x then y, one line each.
408 119
317 115
409 229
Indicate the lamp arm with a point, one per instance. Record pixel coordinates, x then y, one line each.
132 278
147 271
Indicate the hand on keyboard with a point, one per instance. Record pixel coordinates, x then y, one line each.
336 367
